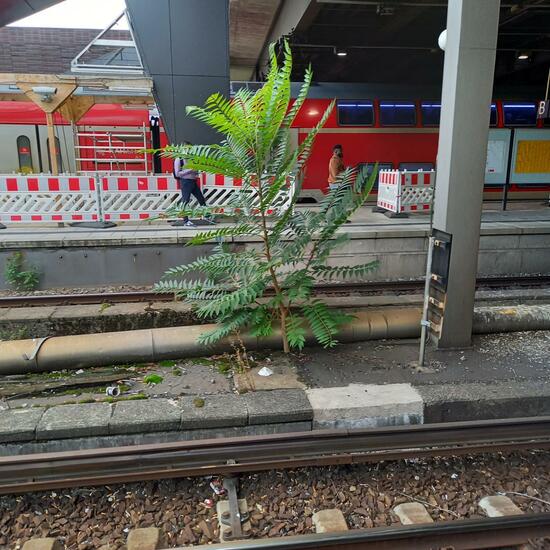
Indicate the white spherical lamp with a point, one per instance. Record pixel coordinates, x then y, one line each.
442 40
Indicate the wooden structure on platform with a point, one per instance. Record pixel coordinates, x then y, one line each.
73 95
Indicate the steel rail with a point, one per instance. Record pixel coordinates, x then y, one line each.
150 296
498 532
43 471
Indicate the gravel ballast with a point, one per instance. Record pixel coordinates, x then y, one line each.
280 502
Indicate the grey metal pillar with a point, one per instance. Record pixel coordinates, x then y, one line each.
184 46
472 28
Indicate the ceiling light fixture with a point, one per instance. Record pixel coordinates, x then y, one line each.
523 56
340 52
382 9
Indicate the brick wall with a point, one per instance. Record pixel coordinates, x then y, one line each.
44 51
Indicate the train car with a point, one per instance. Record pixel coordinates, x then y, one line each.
404 134
110 138
396 128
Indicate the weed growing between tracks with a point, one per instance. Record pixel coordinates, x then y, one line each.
280 502
19 275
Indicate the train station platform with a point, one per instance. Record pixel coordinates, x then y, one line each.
514 242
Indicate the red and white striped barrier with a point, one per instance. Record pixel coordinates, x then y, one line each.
403 191
137 197
110 198
48 199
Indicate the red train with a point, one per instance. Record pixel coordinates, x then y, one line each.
396 133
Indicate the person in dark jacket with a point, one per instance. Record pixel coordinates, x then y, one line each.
189 185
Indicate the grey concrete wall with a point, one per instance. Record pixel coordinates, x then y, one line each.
402 255
184 45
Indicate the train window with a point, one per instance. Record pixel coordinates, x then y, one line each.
431 113
24 154
494 116
355 113
414 166
397 113
520 114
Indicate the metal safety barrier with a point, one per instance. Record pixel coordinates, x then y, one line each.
41 199
403 191
32 199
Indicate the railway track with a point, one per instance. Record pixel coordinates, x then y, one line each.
504 532
331 289
227 456
231 456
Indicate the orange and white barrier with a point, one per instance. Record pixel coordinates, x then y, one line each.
403 191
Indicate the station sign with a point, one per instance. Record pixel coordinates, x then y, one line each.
543 110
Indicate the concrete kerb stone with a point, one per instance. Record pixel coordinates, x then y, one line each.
19 424
217 412
43 544
27 313
80 443
329 521
66 421
366 406
483 401
497 506
270 407
412 513
148 415
145 538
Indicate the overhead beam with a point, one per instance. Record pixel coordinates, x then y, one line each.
91 81
292 14
76 107
48 102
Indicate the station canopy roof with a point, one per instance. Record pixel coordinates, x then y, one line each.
13 10
396 41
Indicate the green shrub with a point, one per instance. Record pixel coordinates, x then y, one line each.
18 275
273 284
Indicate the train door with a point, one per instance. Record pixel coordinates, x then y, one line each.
19 152
64 147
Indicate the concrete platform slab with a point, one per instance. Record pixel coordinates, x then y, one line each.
151 415
19 425
216 412
284 377
365 405
277 406
90 419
